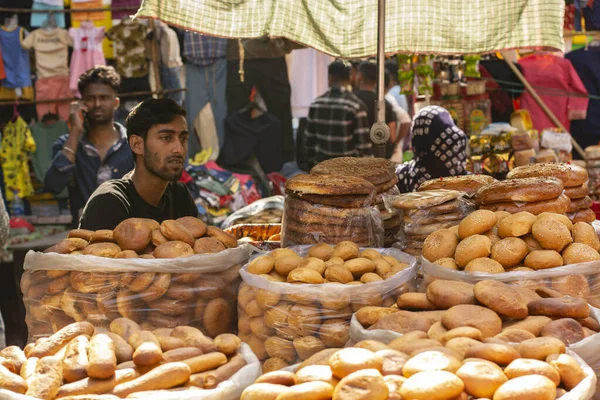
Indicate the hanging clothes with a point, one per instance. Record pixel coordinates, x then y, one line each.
130 41
51 51
87 50
17 145
39 19
2 71
81 15
559 87
125 3
170 60
587 132
15 58
503 87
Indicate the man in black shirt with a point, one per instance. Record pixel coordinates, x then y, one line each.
366 82
158 137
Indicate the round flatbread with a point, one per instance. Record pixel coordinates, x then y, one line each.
329 185
571 175
378 171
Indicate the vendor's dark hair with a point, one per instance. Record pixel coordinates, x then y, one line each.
339 69
151 112
102 74
369 71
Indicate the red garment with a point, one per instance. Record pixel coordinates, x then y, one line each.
557 83
2 71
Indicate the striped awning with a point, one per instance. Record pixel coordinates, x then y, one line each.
348 28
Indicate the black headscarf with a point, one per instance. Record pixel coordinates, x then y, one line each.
439 147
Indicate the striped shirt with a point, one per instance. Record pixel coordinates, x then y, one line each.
337 127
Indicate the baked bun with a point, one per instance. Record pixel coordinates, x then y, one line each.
485 265
173 249
566 307
528 366
586 234
484 319
521 190
472 247
518 224
540 348
570 174
481 378
81 234
102 235
173 230
566 329
569 369
501 298
193 225
551 234
509 251
476 223
208 245
543 259
446 294
429 385
356 385
133 234
579 253
349 360
228 240
560 217
536 387
102 250
440 244
585 215
577 192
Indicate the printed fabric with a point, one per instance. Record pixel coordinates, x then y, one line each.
51 51
17 145
439 146
203 50
130 42
15 59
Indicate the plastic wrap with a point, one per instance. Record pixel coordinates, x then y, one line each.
199 290
575 280
422 213
230 389
308 223
276 318
264 211
263 236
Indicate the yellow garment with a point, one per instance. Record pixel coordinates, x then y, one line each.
17 145
11 94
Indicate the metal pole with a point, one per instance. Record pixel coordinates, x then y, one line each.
380 132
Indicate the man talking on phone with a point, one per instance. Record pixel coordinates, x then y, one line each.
96 148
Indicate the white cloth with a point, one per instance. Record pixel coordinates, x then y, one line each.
402 117
307 69
56 3
169 45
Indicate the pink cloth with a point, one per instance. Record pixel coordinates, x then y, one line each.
87 50
552 77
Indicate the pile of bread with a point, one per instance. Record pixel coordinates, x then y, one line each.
372 370
574 180
287 326
507 313
425 212
496 242
56 298
380 172
146 238
592 161
330 209
83 362
267 216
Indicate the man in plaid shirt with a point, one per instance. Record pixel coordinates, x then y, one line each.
337 122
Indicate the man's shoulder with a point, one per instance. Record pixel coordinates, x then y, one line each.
116 188
344 97
178 188
61 140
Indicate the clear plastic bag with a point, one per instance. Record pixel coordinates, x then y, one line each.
575 280
230 389
584 351
243 215
199 291
422 213
290 322
308 223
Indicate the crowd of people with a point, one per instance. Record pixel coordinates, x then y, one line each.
339 123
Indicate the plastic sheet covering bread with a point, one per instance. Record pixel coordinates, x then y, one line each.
264 211
198 290
422 213
469 184
230 389
585 390
305 222
263 236
575 280
286 323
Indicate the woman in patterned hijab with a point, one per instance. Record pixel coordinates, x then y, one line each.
439 147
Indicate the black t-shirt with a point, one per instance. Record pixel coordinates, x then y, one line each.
370 98
116 200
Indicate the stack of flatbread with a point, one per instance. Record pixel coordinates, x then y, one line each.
381 173
469 184
575 182
426 212
330 209
592 161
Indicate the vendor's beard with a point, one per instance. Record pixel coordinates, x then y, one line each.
152 162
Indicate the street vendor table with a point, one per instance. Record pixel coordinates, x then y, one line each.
11 298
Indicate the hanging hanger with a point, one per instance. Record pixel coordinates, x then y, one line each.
50 23
253 105
16 114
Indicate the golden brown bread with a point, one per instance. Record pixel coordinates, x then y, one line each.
558 205
570 174
465 183
329 185
521 190
378 171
